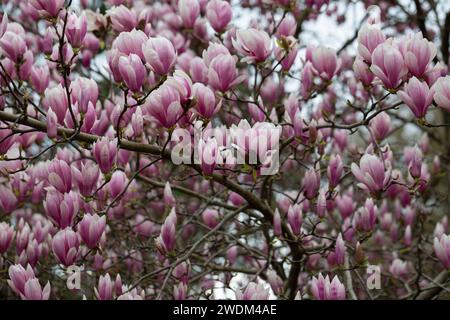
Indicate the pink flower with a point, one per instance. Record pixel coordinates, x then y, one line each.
417 96
442 92
287 27
56 99
91 228
129 42
334 170
6 236
83 91
211 218
324 289
164 106
369 37
399 268
8 200
205 101
208 152
105 288
169 199
104 152
254 291
61 208
420 52
76 29
65 246
254 44
311 183
325 61
380 126
60 175
132 72
188 10
371 173
48 7
166 241
160 54
388 65
40 78
442 249
86 179
13 46
219 14
362 72
365 218
25 284
117 184
277 231
122 18
222 73
295 218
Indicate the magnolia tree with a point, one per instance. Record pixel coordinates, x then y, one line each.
183 150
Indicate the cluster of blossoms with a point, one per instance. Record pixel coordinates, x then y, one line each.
92 100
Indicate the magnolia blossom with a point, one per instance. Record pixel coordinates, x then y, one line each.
371 173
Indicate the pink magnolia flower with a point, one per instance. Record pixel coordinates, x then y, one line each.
40 78
65 246
208 152
86 179
48 7
211 218
371 173
56 99
164 106
442 92
166 241
169 199
61 208
277 231
76 29
399 268
105 152
91 228
287 27
417 96
6 236
60 175
105 288
205 101
362 72
222 73
8 200
365 217
325 62
420 52
117 184
442 249
127 43
295 218
380 126
25 284
388 65
253 291
311 183
369 37
188 10
160 54
13 46
334 171
324 289
219 14
83 92
122 18
132 71
254 44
